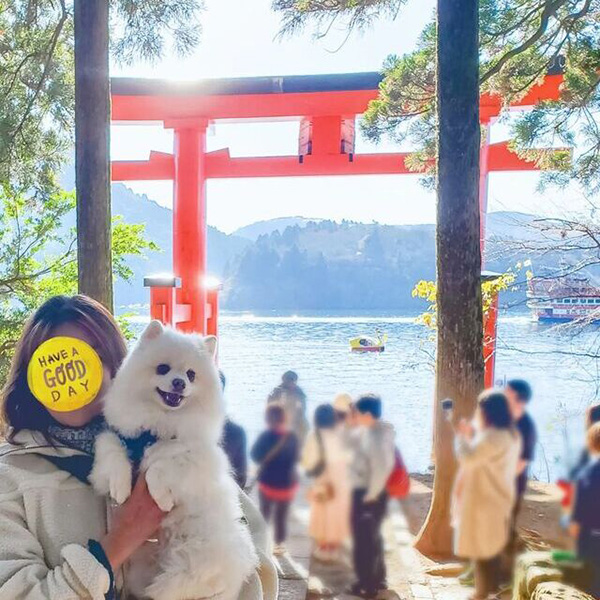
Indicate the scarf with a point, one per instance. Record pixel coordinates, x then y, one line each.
78 438
84 438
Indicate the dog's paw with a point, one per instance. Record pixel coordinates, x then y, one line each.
100 480
160 492
112 471
120 484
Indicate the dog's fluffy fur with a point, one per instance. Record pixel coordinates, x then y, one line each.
168 385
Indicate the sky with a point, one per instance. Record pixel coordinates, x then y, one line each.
239 39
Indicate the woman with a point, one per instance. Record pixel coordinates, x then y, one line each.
56 537
485 488
276 453
325 457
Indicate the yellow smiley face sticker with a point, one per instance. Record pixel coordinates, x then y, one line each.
65 374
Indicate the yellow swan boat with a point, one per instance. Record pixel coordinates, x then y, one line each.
368 343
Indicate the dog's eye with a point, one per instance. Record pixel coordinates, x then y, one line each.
162 369
191 375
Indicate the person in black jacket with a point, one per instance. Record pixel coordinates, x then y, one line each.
585 520
519 394
276 452
234 445
593 417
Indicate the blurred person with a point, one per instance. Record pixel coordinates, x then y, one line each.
585 520
292 397
344 408
580 569
592 417
567 485
276 451
325 458
234 445
519 393
484 491
370 468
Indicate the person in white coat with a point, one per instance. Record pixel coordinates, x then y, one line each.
58 538
325 458
484 491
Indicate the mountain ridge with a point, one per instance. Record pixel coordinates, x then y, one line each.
299 263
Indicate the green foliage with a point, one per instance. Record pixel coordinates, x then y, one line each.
427 290
36 135
356 14
520 40
36 104
128 240
142 27
407 91
37 260
37 75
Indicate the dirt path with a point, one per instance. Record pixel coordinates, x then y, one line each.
409 575
407 570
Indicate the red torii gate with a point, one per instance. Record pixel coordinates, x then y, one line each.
326 107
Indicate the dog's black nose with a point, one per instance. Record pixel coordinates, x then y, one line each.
178 384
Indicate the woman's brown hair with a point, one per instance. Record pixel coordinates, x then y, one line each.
18 407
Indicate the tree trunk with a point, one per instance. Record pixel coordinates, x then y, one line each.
92 167
459 361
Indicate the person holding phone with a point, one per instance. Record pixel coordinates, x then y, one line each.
484 491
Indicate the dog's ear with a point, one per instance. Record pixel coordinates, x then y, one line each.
154 329
210 341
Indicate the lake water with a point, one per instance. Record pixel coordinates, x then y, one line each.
256 349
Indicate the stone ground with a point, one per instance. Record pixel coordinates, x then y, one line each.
303 578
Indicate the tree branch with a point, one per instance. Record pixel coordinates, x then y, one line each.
550 10
51 49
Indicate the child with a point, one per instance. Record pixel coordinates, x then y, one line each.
585 521
276 452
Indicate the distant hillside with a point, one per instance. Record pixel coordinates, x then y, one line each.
294 263
330 265
159 227
327 265
255 230
135 208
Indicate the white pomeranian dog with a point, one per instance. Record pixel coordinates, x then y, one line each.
165 415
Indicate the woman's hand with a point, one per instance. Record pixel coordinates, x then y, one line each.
134 522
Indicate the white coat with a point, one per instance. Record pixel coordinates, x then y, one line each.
329 520
484 492
47 517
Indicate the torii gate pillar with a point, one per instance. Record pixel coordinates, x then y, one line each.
189 224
